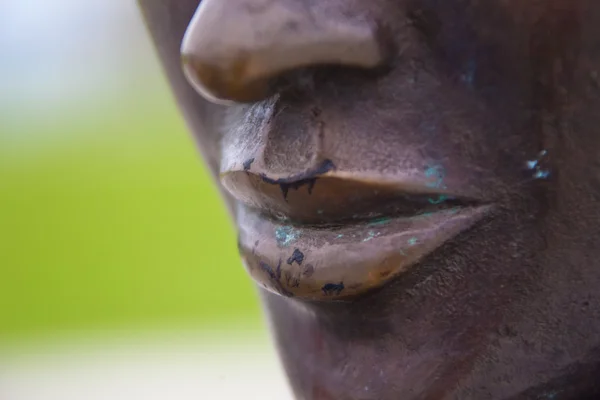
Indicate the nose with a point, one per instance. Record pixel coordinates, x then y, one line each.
234 50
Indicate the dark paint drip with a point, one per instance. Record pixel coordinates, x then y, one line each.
247 164
332 288
291 281
297 256
309 269
275 276
269 270
297 181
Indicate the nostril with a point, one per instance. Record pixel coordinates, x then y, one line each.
233 52
225 82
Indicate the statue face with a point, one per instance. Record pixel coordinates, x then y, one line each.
415 184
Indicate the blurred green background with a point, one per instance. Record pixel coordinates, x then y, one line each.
108 219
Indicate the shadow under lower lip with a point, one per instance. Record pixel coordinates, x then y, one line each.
336 263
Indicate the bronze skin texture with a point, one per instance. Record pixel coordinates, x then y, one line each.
415 184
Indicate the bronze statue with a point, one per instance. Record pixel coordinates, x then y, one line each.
415 183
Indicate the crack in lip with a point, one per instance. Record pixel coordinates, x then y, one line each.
373 219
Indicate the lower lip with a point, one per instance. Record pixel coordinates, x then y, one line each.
328 263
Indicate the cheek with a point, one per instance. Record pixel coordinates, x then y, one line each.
430 126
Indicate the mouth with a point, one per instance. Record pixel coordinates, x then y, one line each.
323 235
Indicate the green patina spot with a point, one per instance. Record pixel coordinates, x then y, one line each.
286 235
423 215
371 235
380 221
339 236
438 173
452 211
441 198
412 241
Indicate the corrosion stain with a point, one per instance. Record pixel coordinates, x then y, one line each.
536 166
440 199
286 235
371 235
297 256
437 174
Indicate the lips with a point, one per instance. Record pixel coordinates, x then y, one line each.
325 235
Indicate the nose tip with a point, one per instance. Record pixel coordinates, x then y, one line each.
234 50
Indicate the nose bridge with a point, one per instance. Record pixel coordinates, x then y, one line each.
234 49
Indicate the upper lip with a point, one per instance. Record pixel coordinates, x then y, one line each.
325 196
